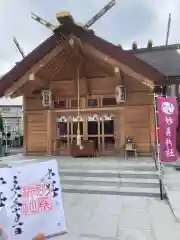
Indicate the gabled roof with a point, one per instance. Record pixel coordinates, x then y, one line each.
22 67
166 59
98 43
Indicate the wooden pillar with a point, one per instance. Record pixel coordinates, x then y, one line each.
117 131
152 126
173 90
49 146
68 134
99 135
25 127
103 143
85 127
54 132
122 128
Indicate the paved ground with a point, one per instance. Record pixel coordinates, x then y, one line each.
172 186
13 151
98 162
93 217
103 217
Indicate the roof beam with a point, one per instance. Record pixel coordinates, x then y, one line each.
43 62
83 55
119 74
108 67
89 92
55 85
98 54
29 87
82 67
66 61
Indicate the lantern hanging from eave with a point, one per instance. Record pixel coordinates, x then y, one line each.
120 94
46 98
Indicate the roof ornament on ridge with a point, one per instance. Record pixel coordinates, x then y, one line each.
119 57
65 18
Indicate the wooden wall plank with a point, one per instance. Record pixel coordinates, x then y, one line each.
139 98
137 125
25 127
134 120
37 131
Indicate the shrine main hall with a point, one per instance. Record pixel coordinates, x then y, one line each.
83 95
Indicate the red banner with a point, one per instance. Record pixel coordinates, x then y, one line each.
167 116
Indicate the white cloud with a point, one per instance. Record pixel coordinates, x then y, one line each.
129 20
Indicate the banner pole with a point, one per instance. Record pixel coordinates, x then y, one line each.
157 155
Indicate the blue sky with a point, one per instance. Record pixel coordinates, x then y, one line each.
128 21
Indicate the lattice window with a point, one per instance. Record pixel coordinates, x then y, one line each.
60 104
46 98
92 102
74 103
109 101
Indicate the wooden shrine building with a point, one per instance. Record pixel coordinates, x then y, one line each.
76 79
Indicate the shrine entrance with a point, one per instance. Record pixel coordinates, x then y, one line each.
98 128
66 131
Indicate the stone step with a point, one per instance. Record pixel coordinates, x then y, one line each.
99 179
109 173
111 190
112 168
141 183
111 181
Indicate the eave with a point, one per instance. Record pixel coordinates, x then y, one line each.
109 53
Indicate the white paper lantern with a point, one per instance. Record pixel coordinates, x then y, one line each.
120 93
46 98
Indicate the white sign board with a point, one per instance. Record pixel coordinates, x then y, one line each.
31 197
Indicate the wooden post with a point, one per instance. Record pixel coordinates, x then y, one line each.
85 127
117 131
54 131
122 128
99 135
152 126
25 127
103 143
49 133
